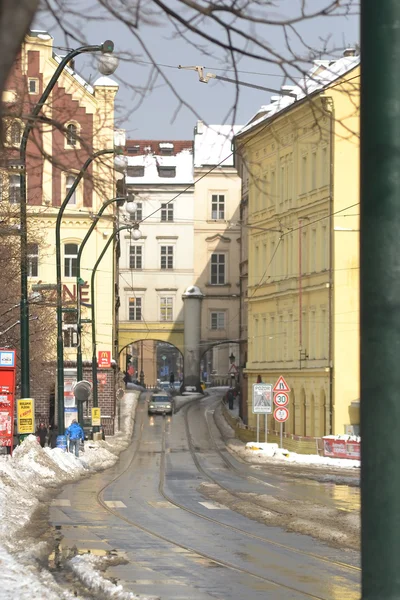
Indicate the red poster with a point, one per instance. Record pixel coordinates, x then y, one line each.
104 358
7 396
336 448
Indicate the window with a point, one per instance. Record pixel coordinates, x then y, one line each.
70 259
313 253
218 206
72 135
166 171
33 86
135 171
217 269
304 178
167 212
256 340
166 305
218 320
15 133
70 334
272 190
282 184
324 248
14 189
33 260
135 309
271 339
69 182
138 214
314 170
133 149
167 257
135 257
166 148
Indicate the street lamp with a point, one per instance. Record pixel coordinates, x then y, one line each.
106 65
133 228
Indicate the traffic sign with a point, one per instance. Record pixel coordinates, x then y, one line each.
164 357
281 399
281 385
281 414
233 369
262 398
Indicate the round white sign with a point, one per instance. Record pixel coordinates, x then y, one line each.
281 399
281 414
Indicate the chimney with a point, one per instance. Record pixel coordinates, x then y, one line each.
200 127
350 52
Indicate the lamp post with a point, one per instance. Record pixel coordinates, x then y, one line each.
60 356
132 208
107 67
136 235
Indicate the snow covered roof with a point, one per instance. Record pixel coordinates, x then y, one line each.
75 75
321 75
105 81
213 144
155 168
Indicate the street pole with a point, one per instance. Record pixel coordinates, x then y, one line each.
93 316
106 48
79 362
380 297
60 353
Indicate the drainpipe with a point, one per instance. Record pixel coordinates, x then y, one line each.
327 104
300 293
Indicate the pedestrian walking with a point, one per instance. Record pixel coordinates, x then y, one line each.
41 434
230 398
53 434
75 434
171 380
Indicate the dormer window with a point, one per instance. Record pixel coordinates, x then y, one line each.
133 149
166 171
135 171
72 135
166 148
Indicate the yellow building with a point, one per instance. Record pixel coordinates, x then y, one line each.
84 117
300 155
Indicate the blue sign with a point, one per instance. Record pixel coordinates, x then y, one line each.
7 358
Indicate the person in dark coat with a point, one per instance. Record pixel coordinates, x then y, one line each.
230 398
53 436
41 433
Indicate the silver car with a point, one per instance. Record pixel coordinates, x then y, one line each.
161 403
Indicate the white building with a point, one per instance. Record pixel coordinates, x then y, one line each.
155 270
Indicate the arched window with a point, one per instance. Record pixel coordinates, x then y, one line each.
72 134
15 133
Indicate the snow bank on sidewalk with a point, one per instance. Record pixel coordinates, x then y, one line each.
28 480
265 452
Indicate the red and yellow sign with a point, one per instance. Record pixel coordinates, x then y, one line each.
26 415
104 359
96 417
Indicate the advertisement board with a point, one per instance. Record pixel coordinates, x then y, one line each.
26 415
104 359
70 413
7 396
337 448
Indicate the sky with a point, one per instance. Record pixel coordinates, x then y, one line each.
158 114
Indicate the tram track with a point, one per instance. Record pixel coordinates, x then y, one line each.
191 549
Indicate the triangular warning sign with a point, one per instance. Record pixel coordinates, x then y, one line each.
281 385
233 368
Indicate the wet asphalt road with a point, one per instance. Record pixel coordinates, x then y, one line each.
178 544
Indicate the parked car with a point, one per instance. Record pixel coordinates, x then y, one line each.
161 403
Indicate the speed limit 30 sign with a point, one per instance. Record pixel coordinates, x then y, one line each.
281 414
281 399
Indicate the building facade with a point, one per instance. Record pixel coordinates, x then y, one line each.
155 270
300 156
82 122
217 250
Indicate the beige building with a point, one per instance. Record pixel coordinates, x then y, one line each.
301 156
216 247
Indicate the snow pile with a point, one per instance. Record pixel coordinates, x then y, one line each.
266 451
28 481
88 567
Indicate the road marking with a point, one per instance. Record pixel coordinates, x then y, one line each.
115 503
161 504
60 502
158 582
214 506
